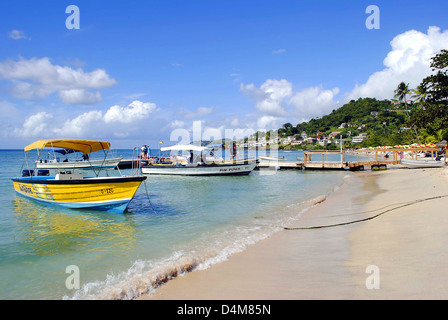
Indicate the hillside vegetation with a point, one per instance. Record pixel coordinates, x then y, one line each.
383 121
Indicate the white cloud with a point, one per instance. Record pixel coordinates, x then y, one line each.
80 96
270 97
116 121
278 51
196 114
84 125
38 78
17 35
277 102
35 126
177 124
269 122
313 102
135 111
408 61
75 62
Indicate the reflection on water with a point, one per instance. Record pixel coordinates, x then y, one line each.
48 230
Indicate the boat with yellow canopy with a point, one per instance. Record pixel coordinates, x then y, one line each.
72 189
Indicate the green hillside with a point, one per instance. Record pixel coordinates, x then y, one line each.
383 121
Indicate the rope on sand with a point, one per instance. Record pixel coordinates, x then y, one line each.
368 218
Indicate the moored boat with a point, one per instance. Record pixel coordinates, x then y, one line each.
73 165
198 165
53 160
76 190
238 168
423 163
269 158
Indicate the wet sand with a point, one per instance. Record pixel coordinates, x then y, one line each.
405 244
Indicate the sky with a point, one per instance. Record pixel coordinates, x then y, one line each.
139 72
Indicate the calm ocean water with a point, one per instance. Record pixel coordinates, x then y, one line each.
190 222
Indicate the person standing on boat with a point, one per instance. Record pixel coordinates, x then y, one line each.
234 151
144 152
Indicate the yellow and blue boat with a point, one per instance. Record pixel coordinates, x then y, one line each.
75 190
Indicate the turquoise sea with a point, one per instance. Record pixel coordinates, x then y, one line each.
188 223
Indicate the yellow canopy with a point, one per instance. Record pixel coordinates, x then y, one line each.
84 146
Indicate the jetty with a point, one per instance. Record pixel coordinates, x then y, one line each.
322 162
377 159
280 165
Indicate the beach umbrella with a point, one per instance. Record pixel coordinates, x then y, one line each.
441 144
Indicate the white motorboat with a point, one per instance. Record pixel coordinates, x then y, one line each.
198 165
423 163
268 158
225 169
72 164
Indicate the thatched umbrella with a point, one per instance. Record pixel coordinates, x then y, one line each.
441 144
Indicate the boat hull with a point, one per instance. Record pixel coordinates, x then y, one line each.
422 163
204 170
102 193
109 163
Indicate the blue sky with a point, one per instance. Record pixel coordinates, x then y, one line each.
136 71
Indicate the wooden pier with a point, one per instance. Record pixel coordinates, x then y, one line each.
382 158
322 163
318 160
280 165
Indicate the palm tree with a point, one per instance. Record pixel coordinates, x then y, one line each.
419 93
401 92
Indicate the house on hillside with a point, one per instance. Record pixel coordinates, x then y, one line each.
311 140
360 138
334 134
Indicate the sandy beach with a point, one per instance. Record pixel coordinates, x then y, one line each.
399 253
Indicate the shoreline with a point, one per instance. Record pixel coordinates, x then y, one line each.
331 262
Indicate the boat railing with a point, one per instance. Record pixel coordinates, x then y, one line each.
135 163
